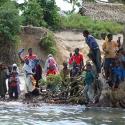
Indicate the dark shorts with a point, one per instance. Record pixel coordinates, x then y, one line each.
108 62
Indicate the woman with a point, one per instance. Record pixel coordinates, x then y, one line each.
51 64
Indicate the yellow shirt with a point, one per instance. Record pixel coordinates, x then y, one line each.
110 49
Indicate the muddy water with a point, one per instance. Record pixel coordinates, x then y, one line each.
14 113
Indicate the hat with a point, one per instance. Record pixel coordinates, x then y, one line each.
50 55
14 65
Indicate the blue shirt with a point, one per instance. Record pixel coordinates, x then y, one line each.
91 42
89 78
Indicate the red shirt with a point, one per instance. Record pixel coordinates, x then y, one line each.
30 57
51 72
76 58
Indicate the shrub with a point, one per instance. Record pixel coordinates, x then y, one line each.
48 42
54 82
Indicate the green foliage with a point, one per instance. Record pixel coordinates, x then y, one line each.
43 82
9 21
40 13
54 80
49 43
33 14
76 21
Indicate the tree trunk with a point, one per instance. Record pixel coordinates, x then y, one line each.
7 52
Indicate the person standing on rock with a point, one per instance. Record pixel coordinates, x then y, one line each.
94 53
109 47
29 65
29 87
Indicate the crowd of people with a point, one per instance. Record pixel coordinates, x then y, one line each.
111 67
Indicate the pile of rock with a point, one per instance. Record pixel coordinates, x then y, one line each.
98 11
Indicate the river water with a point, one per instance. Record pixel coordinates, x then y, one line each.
15 113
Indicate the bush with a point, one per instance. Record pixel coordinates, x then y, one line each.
54 82
49 43
76 21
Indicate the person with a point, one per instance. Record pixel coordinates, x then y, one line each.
69 59
3 88
13 84
94 53
88 82
65 75
30 56
109 47
15 68
74 73
38 72
29 80
51 66
103 36
119 42
78 58
120 56
117 75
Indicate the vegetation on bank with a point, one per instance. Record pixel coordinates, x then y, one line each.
40 13
43 13
76 21
9 30
48 43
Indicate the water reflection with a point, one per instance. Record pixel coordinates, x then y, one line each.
19 114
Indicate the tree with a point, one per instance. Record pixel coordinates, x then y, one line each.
33 13
50 12
9 29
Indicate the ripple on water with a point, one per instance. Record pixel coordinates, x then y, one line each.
13 113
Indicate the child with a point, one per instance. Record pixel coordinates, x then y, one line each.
65 75
13 86
74 73
38 72
117 75
88 81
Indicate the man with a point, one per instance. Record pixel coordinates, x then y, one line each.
94 53
109 47
31 57
77 58
28 77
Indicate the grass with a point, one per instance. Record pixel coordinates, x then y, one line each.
76 21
